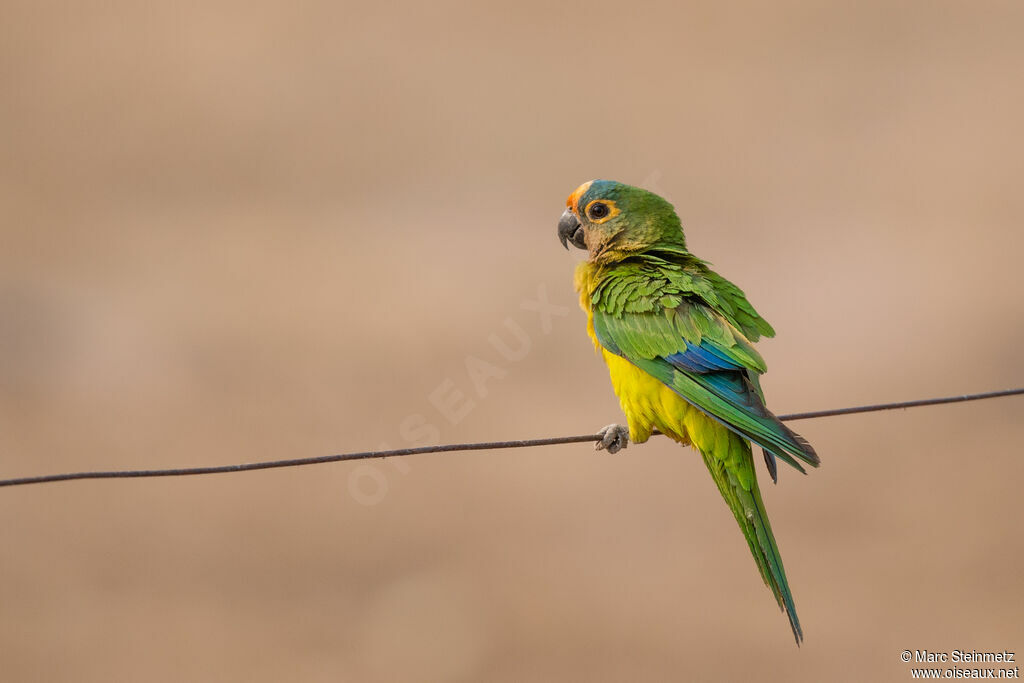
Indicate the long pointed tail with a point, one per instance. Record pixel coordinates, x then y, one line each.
734 474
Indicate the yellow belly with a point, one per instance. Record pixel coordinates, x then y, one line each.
649 404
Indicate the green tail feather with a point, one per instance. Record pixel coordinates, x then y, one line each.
749 511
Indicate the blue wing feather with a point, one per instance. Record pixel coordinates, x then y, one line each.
702 358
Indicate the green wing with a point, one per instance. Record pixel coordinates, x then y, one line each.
692 330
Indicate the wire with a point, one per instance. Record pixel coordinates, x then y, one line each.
903 404
449 448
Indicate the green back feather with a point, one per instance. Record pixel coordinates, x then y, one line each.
647 308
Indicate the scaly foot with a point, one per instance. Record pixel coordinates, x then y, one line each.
613 438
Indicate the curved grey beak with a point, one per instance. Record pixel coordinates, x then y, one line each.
570 230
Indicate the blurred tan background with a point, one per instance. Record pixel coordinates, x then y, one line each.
245 231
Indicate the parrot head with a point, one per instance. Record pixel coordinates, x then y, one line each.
611 220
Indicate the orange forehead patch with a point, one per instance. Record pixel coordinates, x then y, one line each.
573 202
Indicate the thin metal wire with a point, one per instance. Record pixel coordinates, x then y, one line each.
449 448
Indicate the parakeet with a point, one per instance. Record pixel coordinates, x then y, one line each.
678 341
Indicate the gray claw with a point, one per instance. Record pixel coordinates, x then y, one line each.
613 438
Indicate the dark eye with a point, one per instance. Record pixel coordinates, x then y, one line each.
598 211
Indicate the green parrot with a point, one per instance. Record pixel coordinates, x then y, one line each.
678 341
